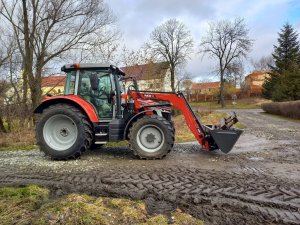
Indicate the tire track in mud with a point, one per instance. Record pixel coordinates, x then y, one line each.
216 197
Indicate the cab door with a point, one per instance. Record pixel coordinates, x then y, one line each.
95 87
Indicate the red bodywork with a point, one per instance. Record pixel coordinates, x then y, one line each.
225 139
176 101
84 105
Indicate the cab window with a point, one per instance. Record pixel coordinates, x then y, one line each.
95 87
70 83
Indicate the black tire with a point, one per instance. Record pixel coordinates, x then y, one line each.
83 139
173 130
164 128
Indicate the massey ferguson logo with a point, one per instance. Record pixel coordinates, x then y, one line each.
149 96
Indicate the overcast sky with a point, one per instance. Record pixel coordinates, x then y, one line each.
137 18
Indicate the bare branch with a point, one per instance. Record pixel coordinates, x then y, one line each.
171 42
228 42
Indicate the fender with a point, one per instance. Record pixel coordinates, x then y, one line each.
130 121
86 107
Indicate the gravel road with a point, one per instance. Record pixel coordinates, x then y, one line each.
258 182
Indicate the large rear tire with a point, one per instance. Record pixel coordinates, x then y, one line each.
63 132
151 137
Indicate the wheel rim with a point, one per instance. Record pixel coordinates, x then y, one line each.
60 132
150 138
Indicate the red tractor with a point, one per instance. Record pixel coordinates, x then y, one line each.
96 109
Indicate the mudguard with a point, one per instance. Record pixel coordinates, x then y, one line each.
86 107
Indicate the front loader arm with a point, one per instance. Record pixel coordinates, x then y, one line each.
210 137
179 101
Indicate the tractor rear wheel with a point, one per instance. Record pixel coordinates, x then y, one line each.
63 132
151 137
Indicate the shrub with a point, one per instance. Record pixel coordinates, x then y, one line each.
289 109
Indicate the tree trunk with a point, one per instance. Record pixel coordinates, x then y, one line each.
2 128
222 101
28 58
172 70
36 95
25 92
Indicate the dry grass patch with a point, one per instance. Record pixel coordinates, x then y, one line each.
184 134
18 140
31 205
244 103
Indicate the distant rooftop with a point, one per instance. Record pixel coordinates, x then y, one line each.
147 71
204 86
53 81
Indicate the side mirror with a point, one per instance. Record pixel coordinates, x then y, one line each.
94 82
111 96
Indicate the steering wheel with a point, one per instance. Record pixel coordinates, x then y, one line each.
131 87
102 90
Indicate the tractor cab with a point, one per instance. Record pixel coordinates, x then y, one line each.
97 84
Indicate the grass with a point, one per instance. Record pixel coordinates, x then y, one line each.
17 205
183 133
18 147
118 144
245 103
22 139
31 205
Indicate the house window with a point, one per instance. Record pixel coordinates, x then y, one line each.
157 85
151 85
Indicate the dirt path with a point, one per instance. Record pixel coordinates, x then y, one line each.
257 183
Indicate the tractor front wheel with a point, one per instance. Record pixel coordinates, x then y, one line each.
63 132
151 137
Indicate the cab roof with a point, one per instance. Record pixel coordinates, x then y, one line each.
92 66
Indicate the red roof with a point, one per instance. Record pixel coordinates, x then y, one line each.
53 81
255 74
146 71
205 86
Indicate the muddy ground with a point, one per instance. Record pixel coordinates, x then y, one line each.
258 182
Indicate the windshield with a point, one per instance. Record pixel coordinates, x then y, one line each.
95 87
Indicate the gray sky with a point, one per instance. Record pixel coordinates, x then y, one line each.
137 18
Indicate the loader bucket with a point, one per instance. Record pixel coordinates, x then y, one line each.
225 139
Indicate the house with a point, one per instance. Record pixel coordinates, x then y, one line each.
151 76
208 88
254 82
53 85
204 91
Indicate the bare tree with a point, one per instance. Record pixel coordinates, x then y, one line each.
129 57
226 41
264 63
45 29
234 73
102 50
171 42
186 85
181 76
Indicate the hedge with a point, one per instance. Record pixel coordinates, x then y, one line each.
289 109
